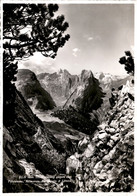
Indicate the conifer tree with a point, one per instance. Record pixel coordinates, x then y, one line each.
128 61
29 28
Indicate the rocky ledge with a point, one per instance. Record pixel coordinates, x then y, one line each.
107 164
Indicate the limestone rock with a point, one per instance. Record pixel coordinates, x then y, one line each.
32 91
112 131
72 164
82 145
115 137
103 137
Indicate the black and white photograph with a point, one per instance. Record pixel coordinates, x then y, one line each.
68 96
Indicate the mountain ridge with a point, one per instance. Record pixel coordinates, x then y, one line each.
31 89
106 80
33 148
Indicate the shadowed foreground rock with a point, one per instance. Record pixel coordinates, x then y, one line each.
22 140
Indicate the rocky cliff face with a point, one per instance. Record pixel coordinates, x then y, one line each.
30 151
78 96
19 143
109 83
78 121
33 149
59 84
32 91
82 92
107 164
87 95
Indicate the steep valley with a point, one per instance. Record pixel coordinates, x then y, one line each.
76 135
30 152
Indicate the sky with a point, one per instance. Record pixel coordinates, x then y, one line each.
99 35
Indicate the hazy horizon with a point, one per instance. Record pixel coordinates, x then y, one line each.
57 71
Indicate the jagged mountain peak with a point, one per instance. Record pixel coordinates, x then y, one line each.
59 84
108 76
25 71
28 84
62 71
62 84
106 161
26 74
87 73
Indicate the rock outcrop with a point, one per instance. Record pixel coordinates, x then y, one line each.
64 135
81 92
78 121
72 164
59 84
104 160
109 83
108 161
32 91
28 139
87 95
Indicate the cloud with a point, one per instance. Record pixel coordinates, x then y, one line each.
90 38
38 64
75 51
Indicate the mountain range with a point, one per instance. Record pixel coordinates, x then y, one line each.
54 115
